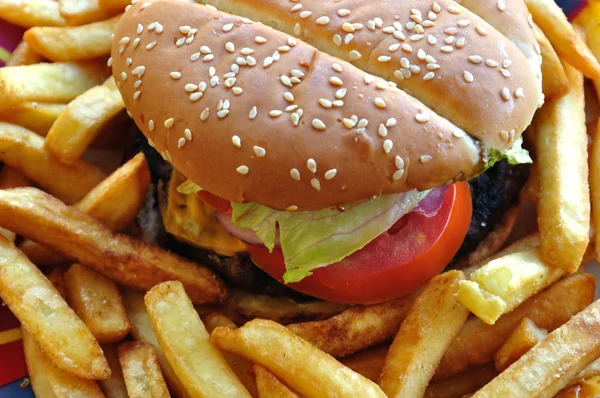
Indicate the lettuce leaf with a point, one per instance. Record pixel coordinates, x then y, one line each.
314 239
188 188
515 155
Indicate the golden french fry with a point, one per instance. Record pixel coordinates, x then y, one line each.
196 361
24 150
505 283
11 178
35 116
57 278
141 330
368 362
464 383
46 220
595 188
522 339
590 371
28 13
554 79
114 386
356 328
569 46
477 342
141 370
214 320
97 301
80 12
588 18
564 200
57 82
45 314
82 120
425 334
269 386
589 388
564 352
23 55
115 202
49 381
66 44
113 4
531 190
300 365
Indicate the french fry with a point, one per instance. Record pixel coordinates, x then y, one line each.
66 44
590 371
113 4
242 368
356 328
504 283
115 202
196 361
588 18
49 381
35 116
425 334
82 120
97 301
242 306
23 55
554 79
24 151
11 178
57 278
62 336
114 386
564 352
57 82
569 46
589 388
595 188
269 386
564 204
141 330
467 382
141 370
477 342
531 190
46 220
28 13
521 340
300 365
80 12
369 362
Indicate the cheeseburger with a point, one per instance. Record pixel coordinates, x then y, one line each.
349 149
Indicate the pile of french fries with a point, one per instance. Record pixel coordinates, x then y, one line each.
104 314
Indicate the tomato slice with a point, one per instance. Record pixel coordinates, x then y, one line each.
217 203
397 262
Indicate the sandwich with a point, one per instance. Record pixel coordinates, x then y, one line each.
344 145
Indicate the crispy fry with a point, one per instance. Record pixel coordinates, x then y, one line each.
141 370
23 55
589 18
554 79
425 334
369 362
141 330
57 82
113 4
66 44
477 342
35 116
301 366
49 381
269 386
590 371
114 386
356 328
82 120
97 301
45 314
522 339
595 188
28 13
531 190
564 352
214 320
569 46
57 278
196 361
462 384
589 388
45 220
80 12
11 178
24 151
564 204
504 283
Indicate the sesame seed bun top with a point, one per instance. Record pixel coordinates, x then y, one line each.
253 114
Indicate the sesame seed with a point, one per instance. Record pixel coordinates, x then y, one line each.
129 61
389 29
195 96
414 69
336 81
187 134
291 208
305 14
460 43
259 151
399 35
230 47
407 48
421 54
399 162
336 67
449 40
235 140
322 20
184 29
450 31
384 58
315 184
181 142
295 174
297 7
253 113
436 7
243 170
227 27
341 93
180 42
348 38
505 72
237 90
325 103
475 59
291 42
463 23
151 125
425 159
428 24
368 79
379 102
275 113
382 131
491 63
289 97
348 123
139 29
505 94
433 66
398 174
109 62
169 122
355 55
519 93
222 114
285 80
247 51
453 9
343 12
416 37
387 146
501 5
394 47
151 45
330 174
297 73
348 27
214 81
190 87
481 30
468 76
123 76
405 63
446 49
422 117
311 164
195 57
159 28
205 114
505 135
318 124
362 123
282 49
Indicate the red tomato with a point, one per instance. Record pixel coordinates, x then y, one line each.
217 203
397 262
